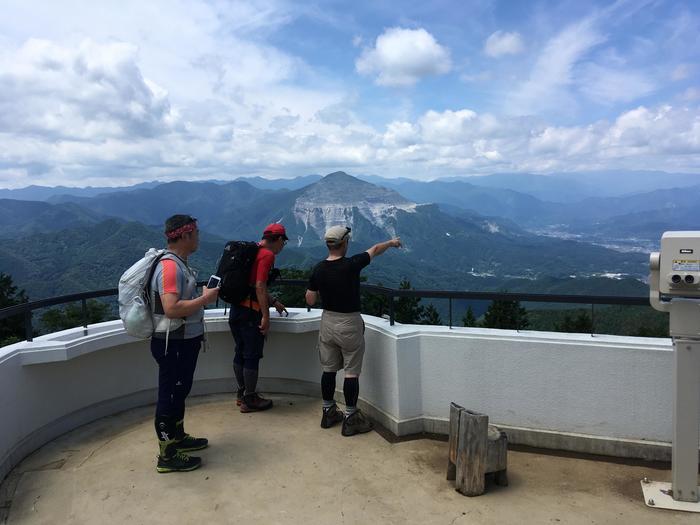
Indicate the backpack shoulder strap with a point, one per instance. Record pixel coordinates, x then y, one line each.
151 272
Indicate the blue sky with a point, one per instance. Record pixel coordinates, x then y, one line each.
119 92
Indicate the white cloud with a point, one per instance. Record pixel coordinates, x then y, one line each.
656 131
401 135
195 90
437 143
447 127
611 85
501 43
547 87
88 92
191 47
401 57
592 58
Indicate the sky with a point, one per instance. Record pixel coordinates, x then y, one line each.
114 93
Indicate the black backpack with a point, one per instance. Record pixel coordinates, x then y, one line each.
235 266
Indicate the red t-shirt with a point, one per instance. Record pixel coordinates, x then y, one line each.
262 265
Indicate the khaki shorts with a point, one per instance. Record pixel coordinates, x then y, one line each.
341 342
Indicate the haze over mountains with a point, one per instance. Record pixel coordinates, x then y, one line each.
456 234
629 209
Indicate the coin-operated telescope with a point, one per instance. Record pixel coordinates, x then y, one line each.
674 287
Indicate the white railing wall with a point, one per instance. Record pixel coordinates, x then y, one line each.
602 394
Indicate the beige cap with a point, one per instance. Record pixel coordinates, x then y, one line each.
337 234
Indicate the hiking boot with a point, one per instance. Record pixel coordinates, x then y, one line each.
331 416
356 423
254 403
183 442
190 444
239 396
178 462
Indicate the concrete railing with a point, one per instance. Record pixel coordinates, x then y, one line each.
604 394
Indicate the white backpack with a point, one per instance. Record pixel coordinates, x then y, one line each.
134 301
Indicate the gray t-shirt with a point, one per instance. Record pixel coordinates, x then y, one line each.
173 275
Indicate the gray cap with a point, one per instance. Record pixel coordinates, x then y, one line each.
337 234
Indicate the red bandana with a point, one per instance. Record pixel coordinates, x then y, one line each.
174 234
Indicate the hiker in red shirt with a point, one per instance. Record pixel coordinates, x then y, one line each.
250 320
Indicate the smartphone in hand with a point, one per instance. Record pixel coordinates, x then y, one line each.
214 281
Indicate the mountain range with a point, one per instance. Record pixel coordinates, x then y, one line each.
74 243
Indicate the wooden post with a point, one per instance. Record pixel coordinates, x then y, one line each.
471 453
454 434
497 456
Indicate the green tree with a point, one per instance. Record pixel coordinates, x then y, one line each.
430 315
291 295
374 304
506 314
408 309
469 318
652 330
581 323
70 316
11 328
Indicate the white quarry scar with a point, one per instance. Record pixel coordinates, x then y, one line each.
318 217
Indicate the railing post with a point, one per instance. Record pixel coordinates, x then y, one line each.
592 319
391 310
450 313
85 319
28 329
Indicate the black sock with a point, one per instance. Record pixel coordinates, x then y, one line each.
351 389
328 388
238 372
250 379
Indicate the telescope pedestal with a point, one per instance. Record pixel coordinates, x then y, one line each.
683 492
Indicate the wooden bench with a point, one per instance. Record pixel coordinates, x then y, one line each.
475 450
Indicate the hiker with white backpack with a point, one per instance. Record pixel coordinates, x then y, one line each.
178 322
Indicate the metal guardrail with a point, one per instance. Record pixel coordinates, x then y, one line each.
26 309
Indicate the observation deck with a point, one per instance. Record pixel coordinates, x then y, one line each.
586 416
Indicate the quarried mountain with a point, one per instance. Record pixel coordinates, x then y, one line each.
339 198
470 245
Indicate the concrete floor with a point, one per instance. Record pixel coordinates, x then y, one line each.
281 467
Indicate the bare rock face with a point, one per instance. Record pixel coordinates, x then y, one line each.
338 198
